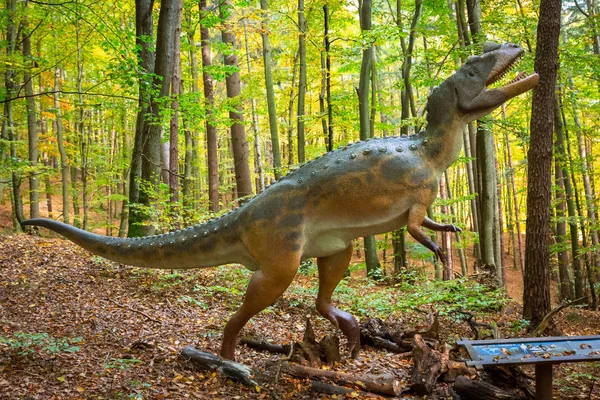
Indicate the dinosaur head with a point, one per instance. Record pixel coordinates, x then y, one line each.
468 91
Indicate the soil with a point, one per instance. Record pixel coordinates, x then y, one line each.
129 325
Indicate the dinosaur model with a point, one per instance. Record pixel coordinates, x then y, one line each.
361 189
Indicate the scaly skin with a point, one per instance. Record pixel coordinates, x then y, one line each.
362 189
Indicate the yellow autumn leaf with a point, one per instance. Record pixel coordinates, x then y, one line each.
80 389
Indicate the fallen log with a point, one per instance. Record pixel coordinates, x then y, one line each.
429 364
327 388
231 369
388 387
469 389
266 346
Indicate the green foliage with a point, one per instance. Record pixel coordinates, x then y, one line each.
372 300
121 363
24 344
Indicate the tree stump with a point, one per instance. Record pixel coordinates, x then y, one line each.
428 366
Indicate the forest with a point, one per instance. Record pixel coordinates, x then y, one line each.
139 118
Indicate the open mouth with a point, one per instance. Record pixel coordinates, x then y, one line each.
499 79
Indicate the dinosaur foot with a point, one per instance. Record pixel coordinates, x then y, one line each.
346 323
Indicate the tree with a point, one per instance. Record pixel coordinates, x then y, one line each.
363 92
233 84
264 5
536 295
489 231
144 34
209 100
302 79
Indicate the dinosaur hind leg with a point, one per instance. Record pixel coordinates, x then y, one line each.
331 271
265 287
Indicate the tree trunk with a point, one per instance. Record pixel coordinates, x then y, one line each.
8 126
328 78
565 182
64 167
301 79
174 125
32 124
536 295
272 109
407 62
211 129
290 125
486 162
579 209
232 82
260 178
371 259
448 271
144 33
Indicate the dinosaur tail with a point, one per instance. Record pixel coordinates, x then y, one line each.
205 245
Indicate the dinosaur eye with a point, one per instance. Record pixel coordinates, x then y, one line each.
471 74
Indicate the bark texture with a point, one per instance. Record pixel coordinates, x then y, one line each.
536 295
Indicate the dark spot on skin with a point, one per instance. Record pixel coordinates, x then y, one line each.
434 149
292 220
207 244
296 202
296 247
419 176
267 209
292 236
391 170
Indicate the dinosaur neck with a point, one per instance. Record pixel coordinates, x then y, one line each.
444 143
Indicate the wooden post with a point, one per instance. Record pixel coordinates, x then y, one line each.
543 381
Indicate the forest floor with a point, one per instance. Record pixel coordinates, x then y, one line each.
75 326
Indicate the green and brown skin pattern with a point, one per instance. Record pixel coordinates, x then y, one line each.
361 189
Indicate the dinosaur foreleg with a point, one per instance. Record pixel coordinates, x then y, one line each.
331 271
431 224
416 219
265 287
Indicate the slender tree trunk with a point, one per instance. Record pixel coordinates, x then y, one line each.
407 92
579 214
174 126
258 168
301 80
486 168
536 294
64 166
233 85
498 225
144 33
211 129
566 291
80 125
590 200
461 252
32 124
371 259
290 125
272 109
448 270
191 174
327 43
8 125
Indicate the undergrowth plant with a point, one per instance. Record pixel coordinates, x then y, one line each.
24 344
